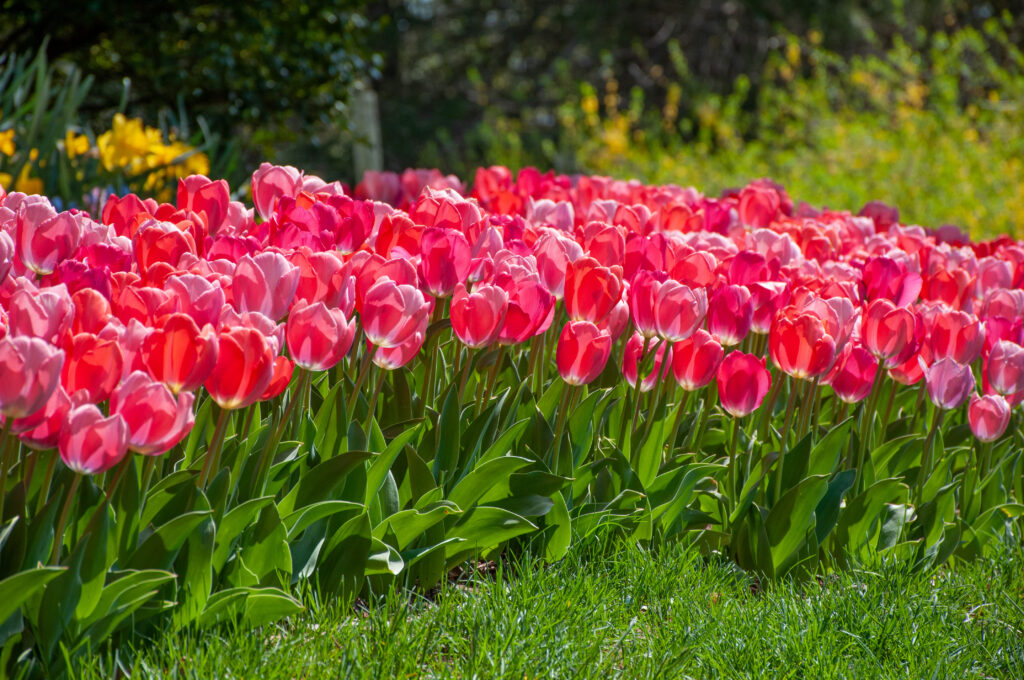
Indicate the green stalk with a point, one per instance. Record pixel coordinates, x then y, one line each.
267 455
44 490
731 488
378 380
656 397
215 443
364 366
492 379
5 446
680 409
563 416
784 444
111 488
58 538
926 458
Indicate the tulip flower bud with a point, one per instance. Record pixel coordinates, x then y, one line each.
477 318
30 370
156 420
1005 368
89 443
988 416
949 383
318 337
730 314
695 360
582 352
743 383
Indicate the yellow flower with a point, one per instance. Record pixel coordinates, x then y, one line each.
5 180
7 142
75 144
26 184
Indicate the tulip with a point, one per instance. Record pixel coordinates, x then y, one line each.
92 311
730 314
318 337
90 443
392 312
244 368
889 332
446 260
582 352
392 358
279 379
270 183
799 345
158 244
634 357
30 371
205 197
92 368
887 278
853 374
988 416
695 360
679 310
478 317
956 335
743 383
766 298
42 429
530 311
178 354
949 383
372 269
323 277
196 296
47 313
156 420
1005 368
265 283
554 252
45 239
643 295
591 291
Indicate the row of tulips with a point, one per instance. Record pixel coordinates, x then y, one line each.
206 404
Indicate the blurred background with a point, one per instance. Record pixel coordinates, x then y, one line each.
913 102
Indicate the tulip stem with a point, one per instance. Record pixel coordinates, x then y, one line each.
5 446
492 379
44 489
710 396
378 380
563 415
659 393
364 367
267 455
769 406
926 458
888 406
467 368
731 488
215 443
433 339
114 483
784 444
58 538
680 410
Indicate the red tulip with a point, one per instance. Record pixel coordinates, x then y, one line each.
582 352
265 283
323 277
957 335
158 244
92 368
988 416
281 376
370 269
244 368
446 260
643 295
758 206
92 311
392 312
178 354
799 345
530 310
270 183
1005 368
318 337
46 313
44 238
29 373
477 318
89 443
695 360
591 291
633 358
42 429
889 332
730 314
743 383
949 383
853 374
911 371
767 298
205 197
156 420
392 358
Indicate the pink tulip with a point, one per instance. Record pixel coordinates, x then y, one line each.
743 383
42 429
799 344
393 358
446 260
46 313
949 383
270 183
45 239
1005 368
582 352
179 354
956 335
244 368
695 360
478 317
889 332
530 310
318 337
205 197
643 295
265 283
196 296
988 416
679 310
633 358
853 374
392 312
730 314
89 443
554 252
156 420
30 371
92 368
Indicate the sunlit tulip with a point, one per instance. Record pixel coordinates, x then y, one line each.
799 345
890 279
156 420
158 244
477 318
244 368
643 296
270 183
47 313
318 337
196 296
554 252
633 359
30 370
743 383
679 310
530 311
988 416
446 260
41 430
582 352
853 374
92 311
44 239
956 335
889 332
1005 368
179 354
90 443
92 368
695 360
730 313
949 383
591 291
265 283
205 197
393 358
284 368
766 299
392 312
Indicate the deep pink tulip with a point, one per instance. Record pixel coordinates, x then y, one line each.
799 345
582 352
554 252
446 260
323 277
633 358
695 360
92 311
853 374
45 239
530 310
767 298
643 296
1005 368
911 371
30 371
156 420
889 332
244 368
42 429
392 312
179 354
887 278
92 368
318 337
679 310
758 206
956 335
988 416
280 377
949 383
89 443
743 383
265 283
730 314
478 317
591 291
393 358
205 197
270 183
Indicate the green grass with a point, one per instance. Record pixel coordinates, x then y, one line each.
631 614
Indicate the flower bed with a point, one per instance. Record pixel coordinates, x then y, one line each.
366 388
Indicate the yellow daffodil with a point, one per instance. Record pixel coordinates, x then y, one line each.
75 144
26 184
7 143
